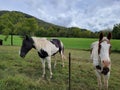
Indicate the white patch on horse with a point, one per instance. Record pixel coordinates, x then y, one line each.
43 43
94 53
104 55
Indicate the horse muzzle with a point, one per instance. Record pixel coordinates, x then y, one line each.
105 70
22 55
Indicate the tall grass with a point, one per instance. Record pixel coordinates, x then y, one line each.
17 73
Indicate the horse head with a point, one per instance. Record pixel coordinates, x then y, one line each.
27 45
104 51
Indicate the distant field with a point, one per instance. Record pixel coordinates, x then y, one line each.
17 40
71 43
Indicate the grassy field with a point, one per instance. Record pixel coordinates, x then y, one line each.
25 74
70 43
17 73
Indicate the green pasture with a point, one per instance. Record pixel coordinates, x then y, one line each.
17 73
70 43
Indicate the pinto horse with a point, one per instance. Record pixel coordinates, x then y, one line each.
100 54
45 49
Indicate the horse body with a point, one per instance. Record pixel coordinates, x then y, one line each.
101 59
45 45
45 49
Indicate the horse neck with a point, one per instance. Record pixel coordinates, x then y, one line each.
39 43
94 53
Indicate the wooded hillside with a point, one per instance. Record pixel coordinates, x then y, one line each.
18 23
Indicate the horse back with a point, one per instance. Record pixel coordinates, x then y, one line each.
57 43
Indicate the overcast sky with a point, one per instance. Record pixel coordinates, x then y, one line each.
94 15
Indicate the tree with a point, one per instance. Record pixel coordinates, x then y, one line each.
28 27
9 23
116 31
41 32
16 23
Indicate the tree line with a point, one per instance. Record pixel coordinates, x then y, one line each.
17 23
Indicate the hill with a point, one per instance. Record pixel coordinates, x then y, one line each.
40 22
11 20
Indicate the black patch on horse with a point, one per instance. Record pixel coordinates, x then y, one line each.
98 67
57 43
27 45
105 70
54 53
43 53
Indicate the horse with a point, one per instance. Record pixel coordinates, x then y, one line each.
45 48
100 54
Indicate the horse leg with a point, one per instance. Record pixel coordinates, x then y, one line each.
99 79
63 61
49 66
99 83
55 62
106 84
43 66
106 78
63 57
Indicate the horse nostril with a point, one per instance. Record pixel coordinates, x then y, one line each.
21 55
106 63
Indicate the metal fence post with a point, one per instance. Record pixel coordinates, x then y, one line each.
69 71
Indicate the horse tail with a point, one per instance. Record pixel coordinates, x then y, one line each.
62 50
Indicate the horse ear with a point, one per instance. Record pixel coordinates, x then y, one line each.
100 36
109 36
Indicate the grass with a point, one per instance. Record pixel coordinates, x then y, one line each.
70 43
25 74
16 40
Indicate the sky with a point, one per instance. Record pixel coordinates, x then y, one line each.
94 15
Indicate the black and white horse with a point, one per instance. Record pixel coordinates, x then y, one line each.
100 55
45 49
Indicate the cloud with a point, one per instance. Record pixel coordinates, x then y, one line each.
94 15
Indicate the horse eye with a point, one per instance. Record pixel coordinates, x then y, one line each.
99 45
